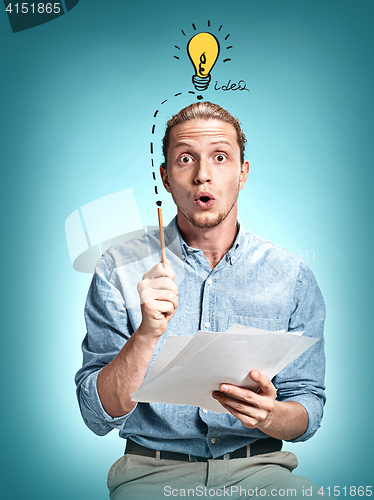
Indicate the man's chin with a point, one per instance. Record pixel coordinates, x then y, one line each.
205 221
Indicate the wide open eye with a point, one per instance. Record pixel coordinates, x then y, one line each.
185 159
220 157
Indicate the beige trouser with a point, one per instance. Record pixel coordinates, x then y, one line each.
134 477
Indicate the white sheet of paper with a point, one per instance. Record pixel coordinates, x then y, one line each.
173 345
175 349
209 359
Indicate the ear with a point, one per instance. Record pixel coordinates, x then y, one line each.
244 174
165 180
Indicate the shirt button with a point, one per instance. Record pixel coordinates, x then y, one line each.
209 281
233 259
213 440
205 411
207 324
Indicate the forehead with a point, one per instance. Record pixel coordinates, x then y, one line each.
200 131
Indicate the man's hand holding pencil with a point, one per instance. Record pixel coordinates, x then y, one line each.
159 299
158 293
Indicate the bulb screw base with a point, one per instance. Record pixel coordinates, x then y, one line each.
200 83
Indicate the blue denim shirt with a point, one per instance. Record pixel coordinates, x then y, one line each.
255 284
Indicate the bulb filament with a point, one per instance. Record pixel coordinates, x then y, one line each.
202 61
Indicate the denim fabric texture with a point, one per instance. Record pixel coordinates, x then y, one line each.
256 284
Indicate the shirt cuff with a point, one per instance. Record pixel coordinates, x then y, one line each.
93 403
315 411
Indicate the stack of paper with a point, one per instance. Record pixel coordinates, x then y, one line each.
188 369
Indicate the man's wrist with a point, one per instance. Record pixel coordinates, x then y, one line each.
268 422
147 335
288 420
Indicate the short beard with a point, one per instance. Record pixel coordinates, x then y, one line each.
206 222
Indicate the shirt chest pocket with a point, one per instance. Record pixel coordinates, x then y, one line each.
262 323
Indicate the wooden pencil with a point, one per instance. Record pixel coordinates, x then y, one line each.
162 237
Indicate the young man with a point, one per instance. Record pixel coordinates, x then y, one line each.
217 275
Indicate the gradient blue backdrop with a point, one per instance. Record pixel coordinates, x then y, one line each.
76 105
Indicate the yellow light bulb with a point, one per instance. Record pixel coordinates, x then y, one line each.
203 50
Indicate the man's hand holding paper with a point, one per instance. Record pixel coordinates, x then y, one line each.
260 409
251 408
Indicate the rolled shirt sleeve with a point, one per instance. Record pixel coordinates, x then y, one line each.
304 379
108 329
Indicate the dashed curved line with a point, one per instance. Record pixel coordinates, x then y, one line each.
208 22
229 47
227 36
184 34
194 27
219 29
176 46
176 57
159 203
225 60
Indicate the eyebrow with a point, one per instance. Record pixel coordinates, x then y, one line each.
180 144
218 141
223 141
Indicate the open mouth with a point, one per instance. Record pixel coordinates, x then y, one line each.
204 200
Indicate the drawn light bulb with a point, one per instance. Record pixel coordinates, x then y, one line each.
203 50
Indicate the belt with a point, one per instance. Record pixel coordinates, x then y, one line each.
266 445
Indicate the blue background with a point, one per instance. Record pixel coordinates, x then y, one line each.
77 101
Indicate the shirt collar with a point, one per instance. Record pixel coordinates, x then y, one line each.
182 250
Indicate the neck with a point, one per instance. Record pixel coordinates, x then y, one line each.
216 241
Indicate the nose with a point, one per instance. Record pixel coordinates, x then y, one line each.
203 173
